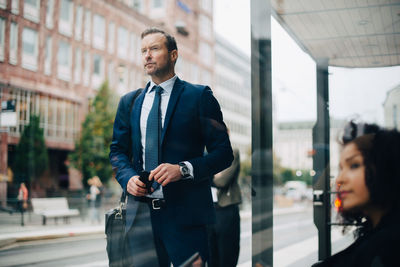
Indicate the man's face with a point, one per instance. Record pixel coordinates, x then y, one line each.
157 61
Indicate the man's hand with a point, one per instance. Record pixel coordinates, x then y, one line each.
136 187
166 173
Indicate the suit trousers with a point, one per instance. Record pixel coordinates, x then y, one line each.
176 242
141 239
224 237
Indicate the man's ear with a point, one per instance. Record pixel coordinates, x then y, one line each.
174 55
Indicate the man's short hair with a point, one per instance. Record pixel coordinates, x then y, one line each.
170 43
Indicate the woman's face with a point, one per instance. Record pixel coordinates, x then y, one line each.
351 187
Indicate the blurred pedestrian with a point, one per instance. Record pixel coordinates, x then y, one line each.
22 197
367 185
94 197
224 236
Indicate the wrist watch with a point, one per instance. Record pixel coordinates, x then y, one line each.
184 170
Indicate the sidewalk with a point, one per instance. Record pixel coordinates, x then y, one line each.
11 230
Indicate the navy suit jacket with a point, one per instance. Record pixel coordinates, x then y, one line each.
192 123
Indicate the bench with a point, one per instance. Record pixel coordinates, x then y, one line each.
56 207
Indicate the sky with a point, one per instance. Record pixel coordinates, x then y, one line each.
354 93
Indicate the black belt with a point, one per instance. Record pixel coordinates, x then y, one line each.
155 203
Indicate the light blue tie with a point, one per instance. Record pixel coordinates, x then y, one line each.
153 134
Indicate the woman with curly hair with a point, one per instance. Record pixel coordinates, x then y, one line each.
368 186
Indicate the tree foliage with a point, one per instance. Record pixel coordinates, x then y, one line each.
93 146
31 158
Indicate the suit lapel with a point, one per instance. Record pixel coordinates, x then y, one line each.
173 100
135 123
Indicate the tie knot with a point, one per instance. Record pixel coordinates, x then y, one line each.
158 89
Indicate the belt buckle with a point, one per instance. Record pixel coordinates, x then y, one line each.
153 205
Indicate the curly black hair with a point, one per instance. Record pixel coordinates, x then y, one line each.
380 149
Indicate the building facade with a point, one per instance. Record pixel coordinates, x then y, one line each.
233 91
293 145
55 54
391 108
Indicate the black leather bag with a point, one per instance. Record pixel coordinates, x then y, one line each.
117 241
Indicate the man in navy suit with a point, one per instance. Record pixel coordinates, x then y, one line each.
190 121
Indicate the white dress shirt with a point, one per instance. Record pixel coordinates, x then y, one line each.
146 107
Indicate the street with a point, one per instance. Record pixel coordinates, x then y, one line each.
295 244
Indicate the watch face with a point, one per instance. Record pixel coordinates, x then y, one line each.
185 170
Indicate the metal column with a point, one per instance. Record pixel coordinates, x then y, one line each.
262 178
321 183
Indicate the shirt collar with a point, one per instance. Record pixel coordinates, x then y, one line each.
167 85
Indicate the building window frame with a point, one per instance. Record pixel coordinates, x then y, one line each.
78 66
2 37
123 42
49 14
48 55
78 22
30 42
64 60
87 27
99 33
98 70
15 7
111 37
66 17
13 52
32 10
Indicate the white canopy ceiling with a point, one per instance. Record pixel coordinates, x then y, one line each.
349 33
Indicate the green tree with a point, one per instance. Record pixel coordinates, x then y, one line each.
93 146
31 158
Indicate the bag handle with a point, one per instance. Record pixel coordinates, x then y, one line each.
118 215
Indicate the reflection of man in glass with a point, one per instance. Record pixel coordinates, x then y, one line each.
167 131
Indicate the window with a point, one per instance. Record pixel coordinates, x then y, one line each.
49 14
78 66
158 9
206 5
15 7
98 71
64 61
86 71
138 5
66 16
205 53
99 35
48 56
29 49
158 3
78 23
2 33
195 73
206 77
32 10
122 42
3 4
133 48
111 37
13 43
205 26
122 79
87 26
111 75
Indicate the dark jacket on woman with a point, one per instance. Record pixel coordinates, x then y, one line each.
377 248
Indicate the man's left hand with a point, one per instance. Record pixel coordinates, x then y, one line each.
166 173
